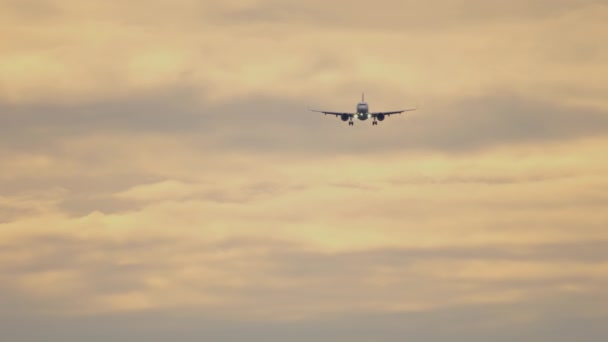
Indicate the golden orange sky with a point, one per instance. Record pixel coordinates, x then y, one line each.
161 177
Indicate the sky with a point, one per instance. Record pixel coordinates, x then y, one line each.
162 179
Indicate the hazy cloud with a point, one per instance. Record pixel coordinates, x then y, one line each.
279 126
162 178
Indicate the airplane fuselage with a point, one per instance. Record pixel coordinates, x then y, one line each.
362 111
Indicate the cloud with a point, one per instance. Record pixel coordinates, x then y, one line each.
554 325
141 51
279 126
159 169
280 288
256 229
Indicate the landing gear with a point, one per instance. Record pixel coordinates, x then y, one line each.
374 123
350 123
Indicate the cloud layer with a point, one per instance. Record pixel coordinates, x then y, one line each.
160 173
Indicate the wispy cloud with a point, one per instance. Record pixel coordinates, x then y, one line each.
158 168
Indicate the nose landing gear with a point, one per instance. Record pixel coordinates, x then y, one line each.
374 123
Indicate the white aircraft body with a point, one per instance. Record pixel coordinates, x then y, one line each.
363 113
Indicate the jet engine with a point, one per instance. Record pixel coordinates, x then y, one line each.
344 117
380 117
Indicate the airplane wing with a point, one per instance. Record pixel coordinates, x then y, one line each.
392 112
331 113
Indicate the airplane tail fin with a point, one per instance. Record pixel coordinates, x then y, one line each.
362 97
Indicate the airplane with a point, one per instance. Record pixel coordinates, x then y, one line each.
363 113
